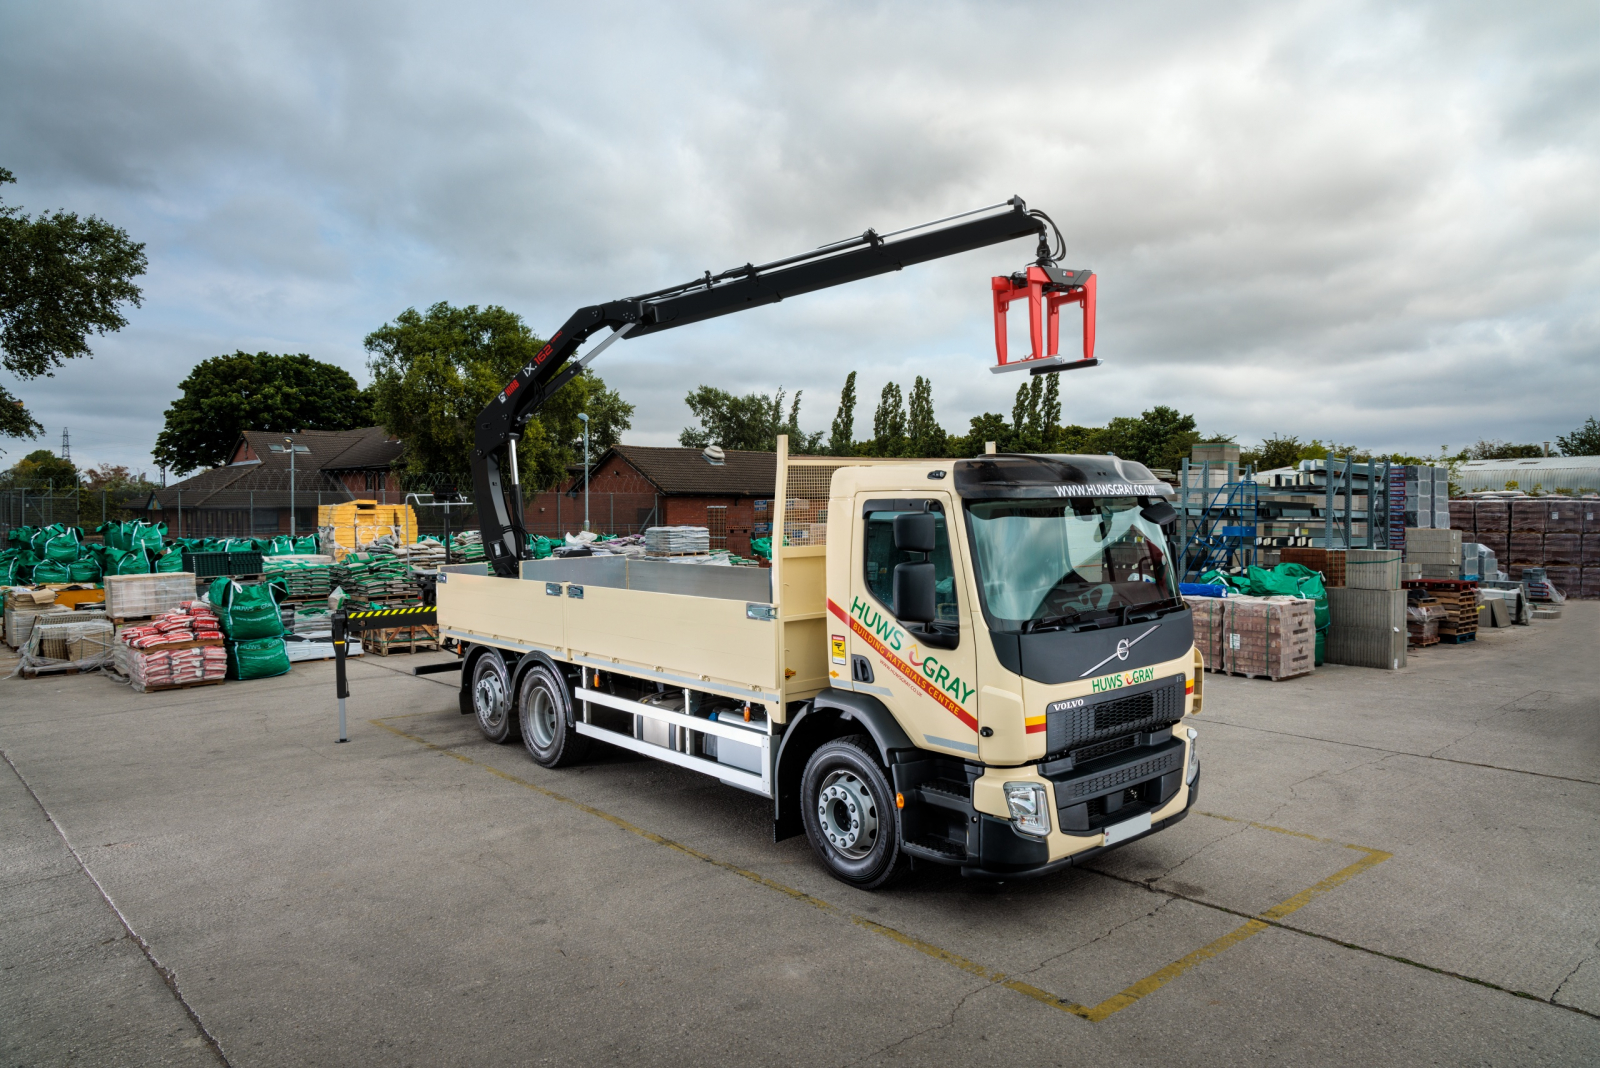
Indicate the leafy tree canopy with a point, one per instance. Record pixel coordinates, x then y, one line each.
1584 441
434 371
41 468
751 422
62 278
1503 450
227 395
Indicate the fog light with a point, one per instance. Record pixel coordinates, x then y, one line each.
1029 805
1194 757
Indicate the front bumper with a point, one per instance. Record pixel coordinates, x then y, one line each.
940 825
999 863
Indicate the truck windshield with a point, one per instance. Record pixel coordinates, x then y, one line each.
1046 565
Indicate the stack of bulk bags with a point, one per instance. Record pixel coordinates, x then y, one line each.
253 627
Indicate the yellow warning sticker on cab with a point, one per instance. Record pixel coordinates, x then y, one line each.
837 641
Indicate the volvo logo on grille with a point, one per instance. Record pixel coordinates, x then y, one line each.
1122 649
1121 652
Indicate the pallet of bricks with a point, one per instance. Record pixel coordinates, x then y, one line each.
25 608
1559 534
1367 622
1459 598
387 640
1424 613
1258 637
176 650
1329 562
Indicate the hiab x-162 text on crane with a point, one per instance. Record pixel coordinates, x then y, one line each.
983 663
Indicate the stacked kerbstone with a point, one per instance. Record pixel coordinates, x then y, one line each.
1367 615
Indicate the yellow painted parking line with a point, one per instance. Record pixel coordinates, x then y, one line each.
1093 1013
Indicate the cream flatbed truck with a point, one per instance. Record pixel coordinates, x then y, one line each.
982 663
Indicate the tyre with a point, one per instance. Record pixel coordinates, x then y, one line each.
848 807
542 712
491 697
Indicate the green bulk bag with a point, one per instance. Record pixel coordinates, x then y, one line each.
63 546
147 536
126 562
170 561
247 612
19 537
306 544
51 571
86 568
257 658
236 545
282 545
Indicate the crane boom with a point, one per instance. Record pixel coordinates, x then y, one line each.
750 286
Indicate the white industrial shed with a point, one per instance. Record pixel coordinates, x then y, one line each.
1545 474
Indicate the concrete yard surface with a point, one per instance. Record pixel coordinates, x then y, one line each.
1383 868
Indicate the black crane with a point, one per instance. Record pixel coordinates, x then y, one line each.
500 424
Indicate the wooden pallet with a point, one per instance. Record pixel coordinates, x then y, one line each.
1459 639
1416 642
184 685
1254 675
387 640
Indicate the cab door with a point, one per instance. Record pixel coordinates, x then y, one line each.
926 674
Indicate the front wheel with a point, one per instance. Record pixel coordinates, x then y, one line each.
542 708
491 698
849 812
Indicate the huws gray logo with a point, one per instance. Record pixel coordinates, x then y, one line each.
1122 650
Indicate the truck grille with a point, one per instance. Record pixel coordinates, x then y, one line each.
1158 704
1069 792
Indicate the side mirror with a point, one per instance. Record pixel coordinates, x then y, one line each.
913 590
914 532
1159 512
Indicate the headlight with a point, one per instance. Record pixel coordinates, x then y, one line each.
1029 805
1194 757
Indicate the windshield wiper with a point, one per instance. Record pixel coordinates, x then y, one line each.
1151 610
1032 626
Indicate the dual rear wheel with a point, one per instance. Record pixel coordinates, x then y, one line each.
536 709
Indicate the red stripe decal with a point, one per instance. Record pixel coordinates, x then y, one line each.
1036 728
906 671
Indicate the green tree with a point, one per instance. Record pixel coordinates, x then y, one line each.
1503 450
227 395
889 422
433 372
42 468
1029 430
990 426
1280 450
752 422
926 438
841 441
1084 440
62 278
1159 437
1584 441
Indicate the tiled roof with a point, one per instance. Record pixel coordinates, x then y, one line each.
375 447
685 472
264 483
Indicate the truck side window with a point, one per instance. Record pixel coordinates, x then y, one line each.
882 556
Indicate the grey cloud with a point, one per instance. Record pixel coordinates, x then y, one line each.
1374 223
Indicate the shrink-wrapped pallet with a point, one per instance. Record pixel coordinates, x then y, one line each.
1269 637
143 596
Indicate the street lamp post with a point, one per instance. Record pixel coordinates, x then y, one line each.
585 418
288 443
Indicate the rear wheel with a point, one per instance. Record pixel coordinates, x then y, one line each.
849 811
543 710
491 698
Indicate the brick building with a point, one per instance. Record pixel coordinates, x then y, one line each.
250 493
634 486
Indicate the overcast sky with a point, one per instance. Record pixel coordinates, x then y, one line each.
1377 224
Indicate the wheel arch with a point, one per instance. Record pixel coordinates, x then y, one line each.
469 664
831 714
